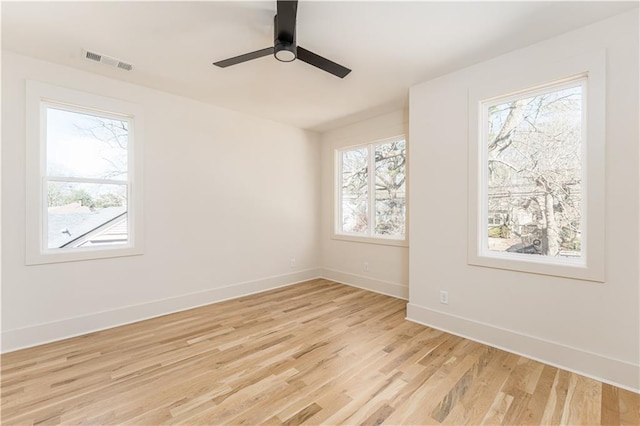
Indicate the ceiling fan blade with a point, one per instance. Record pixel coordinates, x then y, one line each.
244 58
323 63
286 20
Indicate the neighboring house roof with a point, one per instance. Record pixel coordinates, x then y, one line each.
67 225
113 232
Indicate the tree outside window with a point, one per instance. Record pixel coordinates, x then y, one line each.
534 172
373 204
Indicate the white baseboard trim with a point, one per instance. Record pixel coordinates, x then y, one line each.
53 331
616 372
399 291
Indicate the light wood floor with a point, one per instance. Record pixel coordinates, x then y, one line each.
317 352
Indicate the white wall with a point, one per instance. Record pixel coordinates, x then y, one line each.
583 326
229 199
343 261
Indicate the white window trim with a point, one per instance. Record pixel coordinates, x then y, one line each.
337 192
591 266
38 97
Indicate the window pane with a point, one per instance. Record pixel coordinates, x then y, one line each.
534 149
88 146
390 188
354 191
84 214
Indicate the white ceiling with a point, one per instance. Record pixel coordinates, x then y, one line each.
388 45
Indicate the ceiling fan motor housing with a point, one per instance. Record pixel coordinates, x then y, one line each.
284 45
283 51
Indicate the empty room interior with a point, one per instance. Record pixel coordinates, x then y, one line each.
320 212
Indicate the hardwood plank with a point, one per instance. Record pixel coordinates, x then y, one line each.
517 407
535 409
609 405
583 407
475 404
302 415
629 404
498 409
314 353
557 399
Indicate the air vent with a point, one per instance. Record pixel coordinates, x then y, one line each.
93 56
125 66
107 60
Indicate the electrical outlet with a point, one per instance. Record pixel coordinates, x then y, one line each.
444 297
365 266
292 263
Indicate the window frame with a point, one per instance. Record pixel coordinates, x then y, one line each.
41 96
371 238
528 82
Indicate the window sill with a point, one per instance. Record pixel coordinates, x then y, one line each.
82 254
370 240
558 267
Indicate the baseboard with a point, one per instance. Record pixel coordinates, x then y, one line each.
378 286
599 367
49 332
608 370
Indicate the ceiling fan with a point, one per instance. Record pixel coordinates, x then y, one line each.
284 46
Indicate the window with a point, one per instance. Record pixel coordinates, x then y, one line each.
532 197
537 170
372 205
83 195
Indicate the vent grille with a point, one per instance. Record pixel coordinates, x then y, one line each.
107 60
93 56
